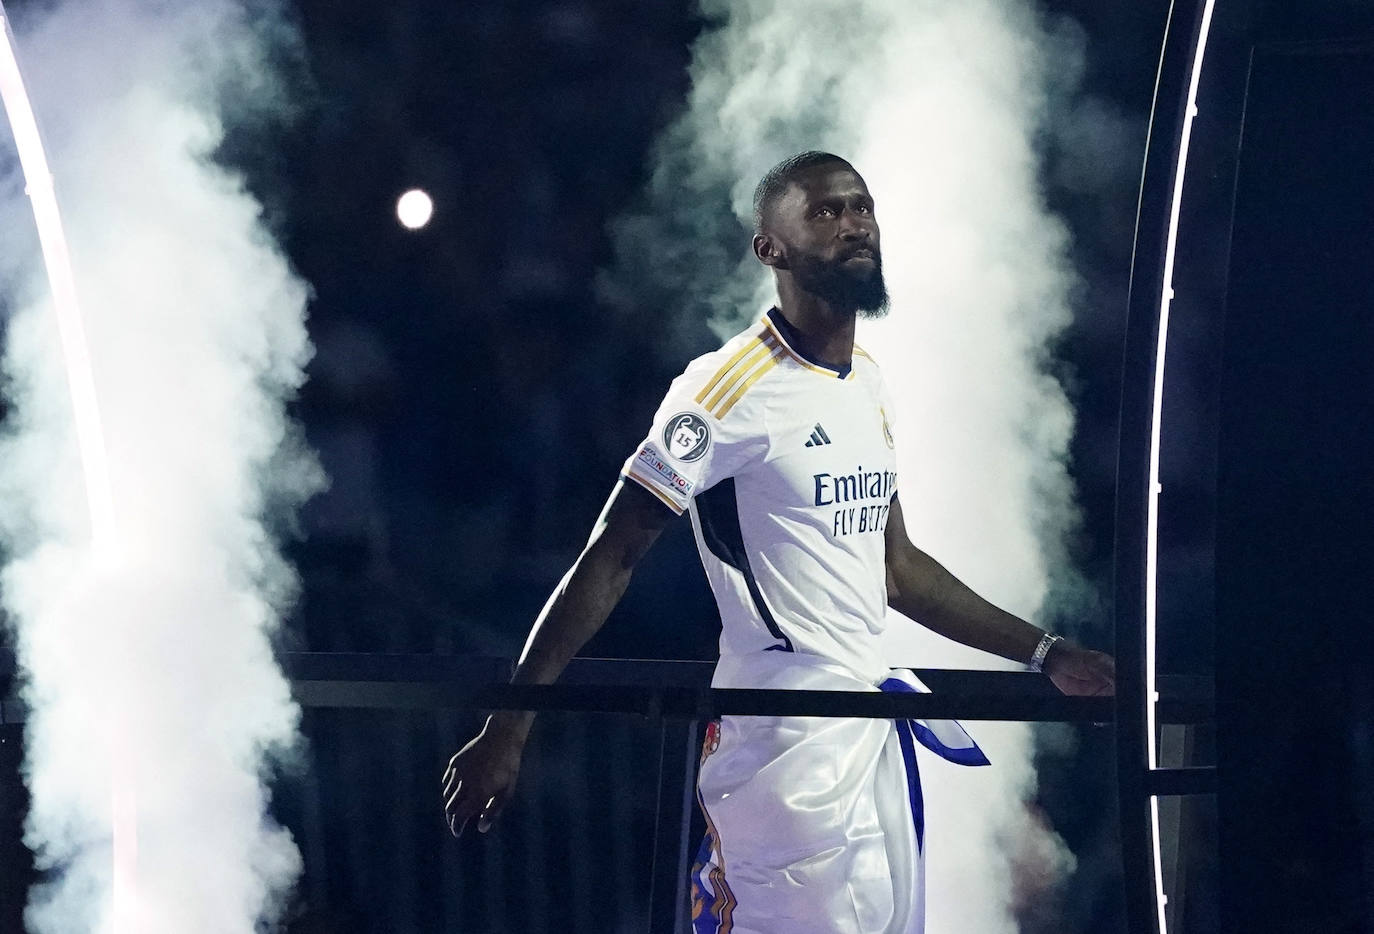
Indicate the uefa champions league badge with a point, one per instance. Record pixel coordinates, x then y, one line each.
686 437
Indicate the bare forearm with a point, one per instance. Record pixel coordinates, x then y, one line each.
480 777
575 611
921 588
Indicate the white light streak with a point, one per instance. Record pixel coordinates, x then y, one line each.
142 580
85 408
1152 522
89 433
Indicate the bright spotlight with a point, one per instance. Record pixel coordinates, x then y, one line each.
414 209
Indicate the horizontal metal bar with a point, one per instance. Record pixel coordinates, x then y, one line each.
680 689
487 669
1188 696
326 679
699 703
1194 780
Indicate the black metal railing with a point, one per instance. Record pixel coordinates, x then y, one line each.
677 697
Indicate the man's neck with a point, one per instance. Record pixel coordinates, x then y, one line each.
826 333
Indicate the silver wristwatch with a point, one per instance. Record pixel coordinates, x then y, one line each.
1037 660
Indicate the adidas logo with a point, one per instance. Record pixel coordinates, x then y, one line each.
818 437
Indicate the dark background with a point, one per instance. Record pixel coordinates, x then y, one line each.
472 399
1295 485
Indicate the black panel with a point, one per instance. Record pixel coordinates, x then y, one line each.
1295 530
1290 21
718 513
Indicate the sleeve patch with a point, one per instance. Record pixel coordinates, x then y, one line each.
671 478
686 437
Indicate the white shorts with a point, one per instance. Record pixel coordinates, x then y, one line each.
816 825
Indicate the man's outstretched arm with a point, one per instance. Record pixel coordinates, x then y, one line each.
919 587
481 776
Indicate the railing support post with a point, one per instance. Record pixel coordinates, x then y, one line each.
669 902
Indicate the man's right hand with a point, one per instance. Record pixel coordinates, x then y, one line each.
480 777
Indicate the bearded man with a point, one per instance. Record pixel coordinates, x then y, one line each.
781 447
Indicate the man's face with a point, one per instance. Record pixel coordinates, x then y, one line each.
825 228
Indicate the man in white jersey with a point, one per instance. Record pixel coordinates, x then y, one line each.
780 445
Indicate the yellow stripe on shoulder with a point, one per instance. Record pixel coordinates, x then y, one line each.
766 348
863 353
743 385
749 345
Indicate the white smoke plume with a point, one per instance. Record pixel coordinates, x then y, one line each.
149 670
942 106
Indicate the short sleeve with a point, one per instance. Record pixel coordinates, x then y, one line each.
688 449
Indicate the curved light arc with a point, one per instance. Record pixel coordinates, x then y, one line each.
38 180
1152 521
90 435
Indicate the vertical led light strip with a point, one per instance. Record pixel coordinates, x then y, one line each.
90 436
1152 523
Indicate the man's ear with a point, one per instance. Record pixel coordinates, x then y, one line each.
767 252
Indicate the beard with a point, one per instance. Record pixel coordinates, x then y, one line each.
862 290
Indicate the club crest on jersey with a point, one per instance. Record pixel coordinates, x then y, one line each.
686 437
887 432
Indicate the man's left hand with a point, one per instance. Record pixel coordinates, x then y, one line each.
1081 672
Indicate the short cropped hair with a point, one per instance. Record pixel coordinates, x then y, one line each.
774 183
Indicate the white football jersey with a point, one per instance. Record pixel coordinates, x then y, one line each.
788 470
